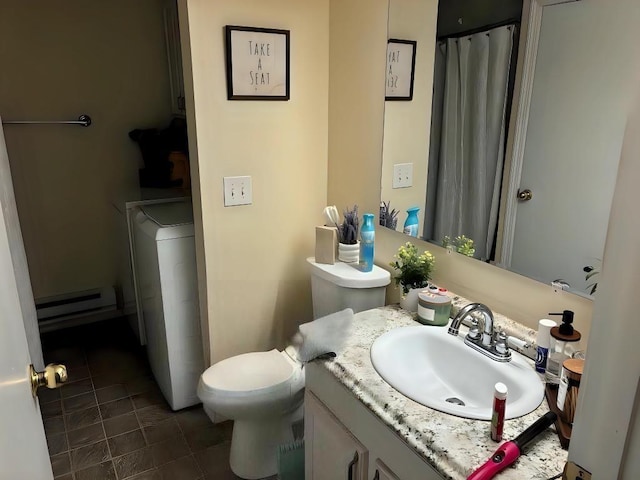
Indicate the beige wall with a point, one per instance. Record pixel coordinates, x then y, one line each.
407 124
257 282
61 59
356 118
356 108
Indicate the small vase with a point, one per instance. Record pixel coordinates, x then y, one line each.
349 253
409 302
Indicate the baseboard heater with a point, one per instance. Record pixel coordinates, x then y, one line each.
76 308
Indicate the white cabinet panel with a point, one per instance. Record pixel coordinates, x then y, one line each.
382 472
331 452
328 401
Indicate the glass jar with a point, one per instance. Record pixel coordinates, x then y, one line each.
433 309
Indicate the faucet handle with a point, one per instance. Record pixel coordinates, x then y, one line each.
474 329
501 342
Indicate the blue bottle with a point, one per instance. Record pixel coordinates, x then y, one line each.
411 223
367 239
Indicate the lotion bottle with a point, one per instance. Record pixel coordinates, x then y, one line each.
563 336
499 405
543 341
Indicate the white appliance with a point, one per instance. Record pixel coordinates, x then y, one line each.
167 290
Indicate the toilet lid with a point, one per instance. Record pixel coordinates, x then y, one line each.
247 372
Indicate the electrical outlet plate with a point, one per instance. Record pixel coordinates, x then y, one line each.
237 191
575 472
402 175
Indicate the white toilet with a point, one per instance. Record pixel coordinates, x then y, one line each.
263 391
341 285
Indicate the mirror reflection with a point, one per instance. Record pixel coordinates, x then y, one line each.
513 135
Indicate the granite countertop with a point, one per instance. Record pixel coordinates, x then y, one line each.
453 446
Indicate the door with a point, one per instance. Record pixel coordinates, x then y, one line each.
331 452
23 448
572 147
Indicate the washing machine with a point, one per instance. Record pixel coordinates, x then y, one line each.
167 291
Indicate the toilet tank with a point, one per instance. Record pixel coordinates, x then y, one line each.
341 285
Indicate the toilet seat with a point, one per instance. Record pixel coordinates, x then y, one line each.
249 371
251 378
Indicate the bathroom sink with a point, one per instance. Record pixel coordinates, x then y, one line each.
438 370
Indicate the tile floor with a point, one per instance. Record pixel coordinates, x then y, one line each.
111 422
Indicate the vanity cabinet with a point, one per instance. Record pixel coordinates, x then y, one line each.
381 472
333 453
344 440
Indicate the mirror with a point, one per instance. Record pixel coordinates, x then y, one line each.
529 104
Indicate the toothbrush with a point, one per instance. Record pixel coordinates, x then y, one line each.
509 452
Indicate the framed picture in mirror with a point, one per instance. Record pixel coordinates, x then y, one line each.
401 62
257 61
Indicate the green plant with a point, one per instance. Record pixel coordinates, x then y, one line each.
388 217
461 244
413 269
348 231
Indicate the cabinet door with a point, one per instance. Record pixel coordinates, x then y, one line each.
382 472
331 451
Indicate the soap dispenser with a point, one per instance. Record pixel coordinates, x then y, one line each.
564 334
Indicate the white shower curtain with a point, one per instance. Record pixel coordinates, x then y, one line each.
468 137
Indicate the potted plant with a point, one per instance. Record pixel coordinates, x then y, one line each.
460 244
388 217
348 244
413 272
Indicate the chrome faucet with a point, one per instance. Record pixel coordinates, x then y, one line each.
481 335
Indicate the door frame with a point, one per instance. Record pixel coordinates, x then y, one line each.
525 74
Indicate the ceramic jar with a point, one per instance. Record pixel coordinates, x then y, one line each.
409 301
349 253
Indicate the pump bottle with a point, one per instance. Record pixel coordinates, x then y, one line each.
563 336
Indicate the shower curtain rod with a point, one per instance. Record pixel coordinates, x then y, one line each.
83 120
473 31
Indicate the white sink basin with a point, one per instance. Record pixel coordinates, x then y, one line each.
438 370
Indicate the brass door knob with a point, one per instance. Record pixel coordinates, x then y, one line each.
525 195
54 376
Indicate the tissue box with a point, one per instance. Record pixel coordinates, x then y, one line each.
326 241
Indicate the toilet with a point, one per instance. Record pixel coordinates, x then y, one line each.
341 285
263 392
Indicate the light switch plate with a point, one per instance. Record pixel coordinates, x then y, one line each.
402 175
237 191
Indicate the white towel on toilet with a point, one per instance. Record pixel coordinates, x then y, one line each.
323 336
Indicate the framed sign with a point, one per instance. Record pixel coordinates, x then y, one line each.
257 63
401 62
